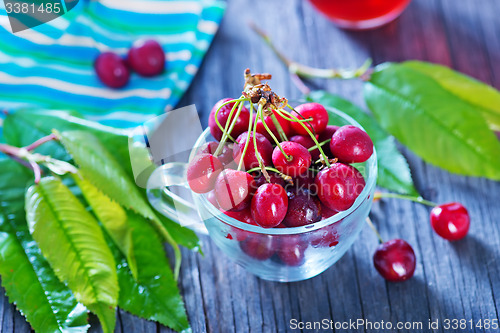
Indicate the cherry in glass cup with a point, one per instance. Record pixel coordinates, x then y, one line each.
361 14
276 254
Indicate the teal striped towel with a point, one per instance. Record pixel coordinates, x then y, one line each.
51 66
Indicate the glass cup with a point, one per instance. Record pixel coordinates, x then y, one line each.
276 254
361 14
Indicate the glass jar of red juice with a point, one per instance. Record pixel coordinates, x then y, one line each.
361 14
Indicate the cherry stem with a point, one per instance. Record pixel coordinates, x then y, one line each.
380 195
267 168
283 114
280 130
218 110
257 154
36 171
300 84
227 130
282 175
313 137
20 161
312 72
260 114
40 142
321 144
247 142
230 123
22 156
372 226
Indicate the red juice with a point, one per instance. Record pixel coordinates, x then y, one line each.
361 14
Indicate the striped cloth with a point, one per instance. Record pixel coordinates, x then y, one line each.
51 66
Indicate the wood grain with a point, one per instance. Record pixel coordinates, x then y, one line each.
452 280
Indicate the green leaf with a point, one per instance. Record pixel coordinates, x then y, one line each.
23 127
431 121
393 170
30 283
72 242
103 171
182 235
33 300
483 97
112 216
155 295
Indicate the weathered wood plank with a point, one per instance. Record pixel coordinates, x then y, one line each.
452 280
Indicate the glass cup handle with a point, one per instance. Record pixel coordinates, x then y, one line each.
169 193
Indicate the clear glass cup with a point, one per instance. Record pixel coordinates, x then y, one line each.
361 14
276 254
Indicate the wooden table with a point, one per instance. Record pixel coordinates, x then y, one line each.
452 281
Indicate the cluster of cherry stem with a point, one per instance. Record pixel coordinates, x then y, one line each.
252 129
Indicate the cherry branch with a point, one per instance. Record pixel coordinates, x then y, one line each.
40 142
19 155
304 71
32 161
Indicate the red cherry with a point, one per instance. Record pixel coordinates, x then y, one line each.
339 186
225 156
240 126
306 142
260 247
315 111
327 212
243 216
202 173
269 205
324 237
212 199
303 209
147 57
233 189
327 135
112 70
300 159
350 144
291 250
264 148
450 221
285 125
395 260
